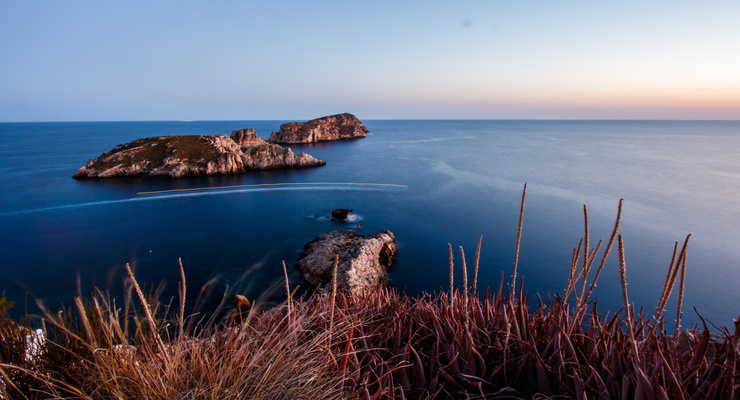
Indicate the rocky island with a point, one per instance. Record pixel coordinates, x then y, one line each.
182 156
363 262
330 128
196 155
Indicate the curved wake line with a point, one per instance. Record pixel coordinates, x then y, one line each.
68 206
207 188
219 190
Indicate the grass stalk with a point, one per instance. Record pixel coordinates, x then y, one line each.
607 250
673 271
667 286
464 270
465 277
518 241
333 293
681 286
85 322
573 277
452 276
628 316
183 294
149 317
287 287
477 262
586 254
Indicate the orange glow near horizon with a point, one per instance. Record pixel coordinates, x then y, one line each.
657 101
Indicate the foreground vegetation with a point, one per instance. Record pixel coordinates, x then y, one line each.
455 344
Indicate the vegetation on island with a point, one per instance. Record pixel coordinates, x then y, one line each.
459 343
196 150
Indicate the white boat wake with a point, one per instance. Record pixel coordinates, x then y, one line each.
217 190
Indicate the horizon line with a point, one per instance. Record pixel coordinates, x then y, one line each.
382 119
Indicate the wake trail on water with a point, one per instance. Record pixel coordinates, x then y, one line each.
218 190
276 185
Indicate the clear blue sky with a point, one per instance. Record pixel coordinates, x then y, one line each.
187 60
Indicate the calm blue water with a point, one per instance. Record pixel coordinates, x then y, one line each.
464 180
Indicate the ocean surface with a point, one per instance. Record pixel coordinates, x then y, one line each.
457 180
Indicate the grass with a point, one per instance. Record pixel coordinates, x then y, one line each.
194 150
454 344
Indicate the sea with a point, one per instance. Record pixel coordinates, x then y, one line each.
435 184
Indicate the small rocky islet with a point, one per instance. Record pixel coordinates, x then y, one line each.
362 262
198 155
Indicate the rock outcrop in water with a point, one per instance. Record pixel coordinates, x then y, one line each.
340 214
182 156
363 262
332 127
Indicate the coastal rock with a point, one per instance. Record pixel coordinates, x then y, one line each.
332 127
363 262
340 213
182 156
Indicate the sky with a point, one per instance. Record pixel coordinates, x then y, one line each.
292 60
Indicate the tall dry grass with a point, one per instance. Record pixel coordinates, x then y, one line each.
101 352
455 344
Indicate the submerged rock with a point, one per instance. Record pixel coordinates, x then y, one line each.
341 213
332 127
363 262
182 156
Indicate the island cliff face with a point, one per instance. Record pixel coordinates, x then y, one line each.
258 154
246 138
332 127
182 156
